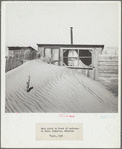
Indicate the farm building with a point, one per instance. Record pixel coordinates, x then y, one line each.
80 57
22 52
89 60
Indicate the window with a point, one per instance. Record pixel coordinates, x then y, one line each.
77 58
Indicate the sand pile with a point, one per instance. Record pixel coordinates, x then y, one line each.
55 89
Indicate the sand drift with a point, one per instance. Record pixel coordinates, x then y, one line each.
55 89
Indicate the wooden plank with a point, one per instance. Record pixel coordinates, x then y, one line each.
108 58
11 63
93 64
107 68
107 75
48 52
79 57
79 67
93 57
14 63
51 54
91 74
59 57
108 71
114 79
109 84
17 62
96 64
106 81
44 52
108 63
86 72
8 65
56 56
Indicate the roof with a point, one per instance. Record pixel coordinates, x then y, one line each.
71 45
18 47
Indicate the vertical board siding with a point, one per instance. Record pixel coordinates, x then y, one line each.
55 56
108 72
12 63
48 52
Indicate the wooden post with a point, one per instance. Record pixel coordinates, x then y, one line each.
59 57
78 57
44 51
56 56
96 64
51 54
92 72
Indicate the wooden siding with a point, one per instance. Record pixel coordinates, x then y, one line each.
108 71
12 63
105 67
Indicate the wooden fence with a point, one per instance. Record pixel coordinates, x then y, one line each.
108 72
12 63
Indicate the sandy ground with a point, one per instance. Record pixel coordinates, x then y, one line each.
55 89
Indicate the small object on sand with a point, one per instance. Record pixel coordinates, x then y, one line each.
28 84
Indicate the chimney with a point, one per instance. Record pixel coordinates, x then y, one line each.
71 33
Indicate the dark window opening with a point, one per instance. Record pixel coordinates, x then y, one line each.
77 57
85 53
65 60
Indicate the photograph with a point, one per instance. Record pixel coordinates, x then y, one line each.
61 58
60 74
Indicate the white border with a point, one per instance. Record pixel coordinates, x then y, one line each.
18 130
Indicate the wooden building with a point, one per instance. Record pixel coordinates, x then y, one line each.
22 52
83 58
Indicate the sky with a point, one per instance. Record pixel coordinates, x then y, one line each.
29 23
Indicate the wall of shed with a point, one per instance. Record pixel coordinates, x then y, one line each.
105 65
41 51
13 53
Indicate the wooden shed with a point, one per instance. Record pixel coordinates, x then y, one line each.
22 52
83 58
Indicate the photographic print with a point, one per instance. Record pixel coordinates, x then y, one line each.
61 58
60 74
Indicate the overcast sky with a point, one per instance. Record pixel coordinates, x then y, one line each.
50 22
